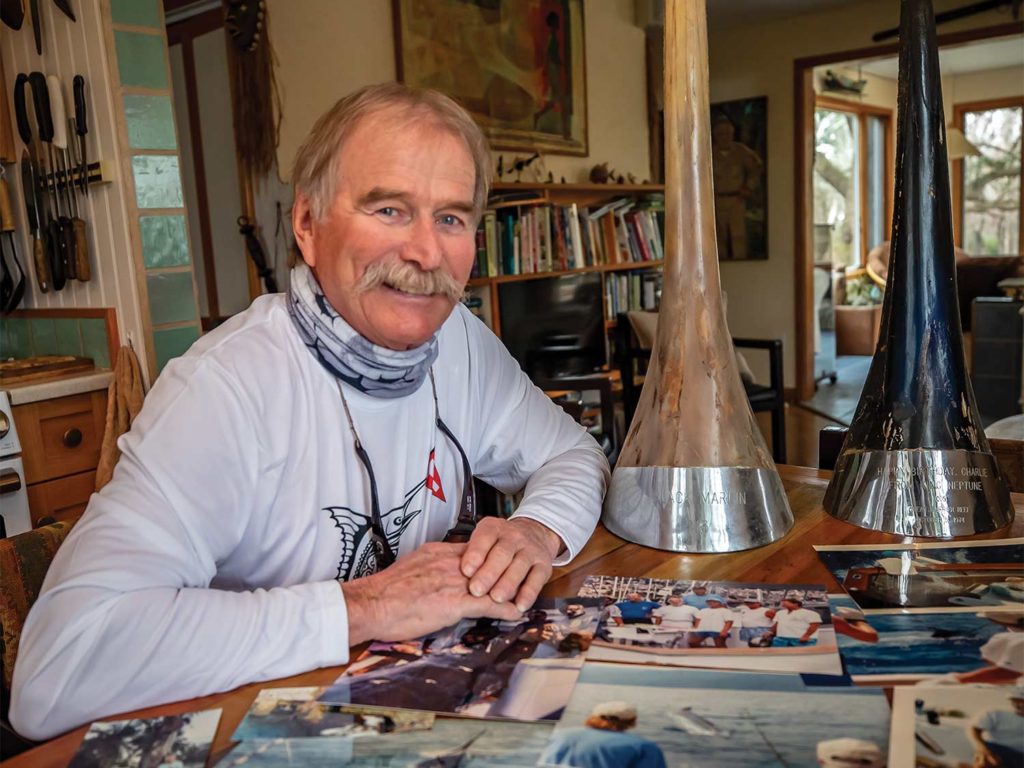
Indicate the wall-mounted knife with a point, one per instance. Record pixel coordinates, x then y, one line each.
30 191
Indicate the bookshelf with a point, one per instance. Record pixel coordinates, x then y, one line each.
536 231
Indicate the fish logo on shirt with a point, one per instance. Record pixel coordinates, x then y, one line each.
357 557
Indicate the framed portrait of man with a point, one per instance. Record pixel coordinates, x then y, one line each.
518 66
739 143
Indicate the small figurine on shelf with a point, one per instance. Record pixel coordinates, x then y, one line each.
600 174
551 178
630 178
520 164
501 167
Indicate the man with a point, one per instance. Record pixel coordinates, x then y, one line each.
697 597
712 623
314 439
674 615
997 735
633 610
736 170
604 743
755 620
795 625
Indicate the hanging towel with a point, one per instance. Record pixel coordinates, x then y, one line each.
124 401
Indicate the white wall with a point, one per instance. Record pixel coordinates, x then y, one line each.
83 48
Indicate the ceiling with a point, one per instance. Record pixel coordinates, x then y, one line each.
961 60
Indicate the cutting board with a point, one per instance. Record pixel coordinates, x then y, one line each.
30 370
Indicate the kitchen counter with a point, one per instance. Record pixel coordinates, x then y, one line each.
74 384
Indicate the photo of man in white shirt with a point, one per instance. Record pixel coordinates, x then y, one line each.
714 622
795 625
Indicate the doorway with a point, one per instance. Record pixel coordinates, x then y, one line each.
844 165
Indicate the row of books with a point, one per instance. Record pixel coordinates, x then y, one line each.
628 291
532 238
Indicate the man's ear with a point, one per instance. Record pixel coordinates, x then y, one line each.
303 226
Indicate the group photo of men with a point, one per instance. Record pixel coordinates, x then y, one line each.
682 615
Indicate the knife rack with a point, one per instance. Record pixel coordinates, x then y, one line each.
61 180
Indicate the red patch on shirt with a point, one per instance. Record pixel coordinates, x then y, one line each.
434 479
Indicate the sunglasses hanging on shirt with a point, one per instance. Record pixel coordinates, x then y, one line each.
463 527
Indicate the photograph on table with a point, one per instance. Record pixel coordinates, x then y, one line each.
946 726
174 741
888 648
453 741
940 577
293 713
627 715
523 670
683 617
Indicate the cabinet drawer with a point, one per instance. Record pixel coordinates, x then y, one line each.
63 499
61 437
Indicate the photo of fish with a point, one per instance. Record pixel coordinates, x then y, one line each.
951 726
967 576
452 742
715 718
292 713
887 648
523 670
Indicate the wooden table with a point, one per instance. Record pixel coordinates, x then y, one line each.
791 560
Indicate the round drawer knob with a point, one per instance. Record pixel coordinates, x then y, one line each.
72 438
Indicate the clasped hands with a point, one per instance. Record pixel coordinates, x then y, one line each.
497 574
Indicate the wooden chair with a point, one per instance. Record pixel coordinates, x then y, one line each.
631 360
24 561
602 383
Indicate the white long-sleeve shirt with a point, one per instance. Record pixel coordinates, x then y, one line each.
211 559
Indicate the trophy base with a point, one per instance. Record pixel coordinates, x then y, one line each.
697 509
939 494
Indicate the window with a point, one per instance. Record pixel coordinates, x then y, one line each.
852 173
988 185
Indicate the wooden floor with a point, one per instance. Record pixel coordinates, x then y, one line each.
802 428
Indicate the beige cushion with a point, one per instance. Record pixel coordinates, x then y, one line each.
645 326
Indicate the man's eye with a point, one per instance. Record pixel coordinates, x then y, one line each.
449 220
387 211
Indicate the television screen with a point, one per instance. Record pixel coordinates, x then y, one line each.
554 326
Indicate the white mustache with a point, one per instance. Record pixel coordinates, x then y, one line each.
408 278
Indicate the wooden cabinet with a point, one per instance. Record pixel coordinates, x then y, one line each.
60 443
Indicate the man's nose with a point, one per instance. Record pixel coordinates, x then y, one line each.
424 244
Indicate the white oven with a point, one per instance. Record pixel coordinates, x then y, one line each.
14 514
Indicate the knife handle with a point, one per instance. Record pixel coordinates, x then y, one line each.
6 213
78 84
21 109
82 268
42 268
41 101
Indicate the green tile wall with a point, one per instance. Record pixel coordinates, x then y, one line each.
22 337
69 340
157 181
172 342
164 241
150 121
94 341
44 336
16 340
140 13
140 59
171 298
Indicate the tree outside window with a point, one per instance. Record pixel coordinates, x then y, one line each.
991 181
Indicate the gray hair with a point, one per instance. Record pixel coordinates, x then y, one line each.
315 169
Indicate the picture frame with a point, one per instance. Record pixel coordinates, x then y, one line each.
517 66
739 150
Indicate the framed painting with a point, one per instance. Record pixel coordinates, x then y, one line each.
739 144
518 66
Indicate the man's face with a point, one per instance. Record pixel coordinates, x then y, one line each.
790 605
714 603
634 597
753 604
723 133
403 194
700 590
675 600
